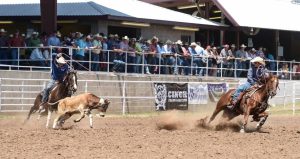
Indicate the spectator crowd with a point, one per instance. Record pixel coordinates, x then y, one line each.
151 56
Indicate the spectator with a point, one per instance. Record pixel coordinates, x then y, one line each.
37 57
139 53
271 63
104 54
168 55
80 45
146 49
131 56
224 54
15 41
54 40
153 51
216 60
182 58
34 40
230 60
97 46
241 61
196 52
3 43
119 61
285 71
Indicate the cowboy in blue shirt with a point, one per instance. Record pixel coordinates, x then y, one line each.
58 70
256 71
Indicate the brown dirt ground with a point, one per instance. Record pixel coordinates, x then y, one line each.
147 137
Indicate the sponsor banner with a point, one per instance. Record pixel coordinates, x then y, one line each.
215 91
171 96
198 93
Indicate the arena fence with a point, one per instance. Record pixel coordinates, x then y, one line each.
127 97
108 61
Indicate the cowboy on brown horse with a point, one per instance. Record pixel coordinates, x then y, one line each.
255 73
58 71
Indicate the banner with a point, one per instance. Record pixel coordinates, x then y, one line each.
171 96
215 91
198 93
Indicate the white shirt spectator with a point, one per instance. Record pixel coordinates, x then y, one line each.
37 54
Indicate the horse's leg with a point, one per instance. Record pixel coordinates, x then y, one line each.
246 116
215 113
262 122
49 117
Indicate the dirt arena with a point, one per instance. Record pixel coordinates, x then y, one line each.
148 137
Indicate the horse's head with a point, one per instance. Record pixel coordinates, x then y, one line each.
70 81
272 85
103 105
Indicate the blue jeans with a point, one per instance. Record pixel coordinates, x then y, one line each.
240 89
95 64
240 65
47 90
199 63
14 56
137 67
3 56
171 61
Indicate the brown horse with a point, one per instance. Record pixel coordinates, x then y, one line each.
64 89
253 102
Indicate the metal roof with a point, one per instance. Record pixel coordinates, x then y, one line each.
267 14
113 9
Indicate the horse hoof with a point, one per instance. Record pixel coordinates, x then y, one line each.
91 127
242 131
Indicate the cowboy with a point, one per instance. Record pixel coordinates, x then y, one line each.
58 70
255 73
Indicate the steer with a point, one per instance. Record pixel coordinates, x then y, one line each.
83 104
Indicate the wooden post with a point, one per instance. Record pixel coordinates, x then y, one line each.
277 43
48 15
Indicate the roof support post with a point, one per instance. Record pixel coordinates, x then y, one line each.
277 43
48 15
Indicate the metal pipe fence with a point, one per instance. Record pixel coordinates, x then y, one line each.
192 65
18 95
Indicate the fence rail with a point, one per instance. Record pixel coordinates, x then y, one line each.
126 96
195 63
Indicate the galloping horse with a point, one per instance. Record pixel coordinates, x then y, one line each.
64 89
253 102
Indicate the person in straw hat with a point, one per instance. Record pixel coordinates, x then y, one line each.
241 56
255 73
58 70
3 43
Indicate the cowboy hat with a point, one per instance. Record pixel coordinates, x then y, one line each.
193 44
259 60
179 42
169 42
125 38
61 60
2 30
232 45
243 46
97 35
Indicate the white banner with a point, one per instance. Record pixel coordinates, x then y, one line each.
198 93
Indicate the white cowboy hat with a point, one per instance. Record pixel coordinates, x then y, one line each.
2 30
178 42
259 60
125 38
243 46
61 60
41 45
193 44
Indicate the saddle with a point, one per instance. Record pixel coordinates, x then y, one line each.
247 93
